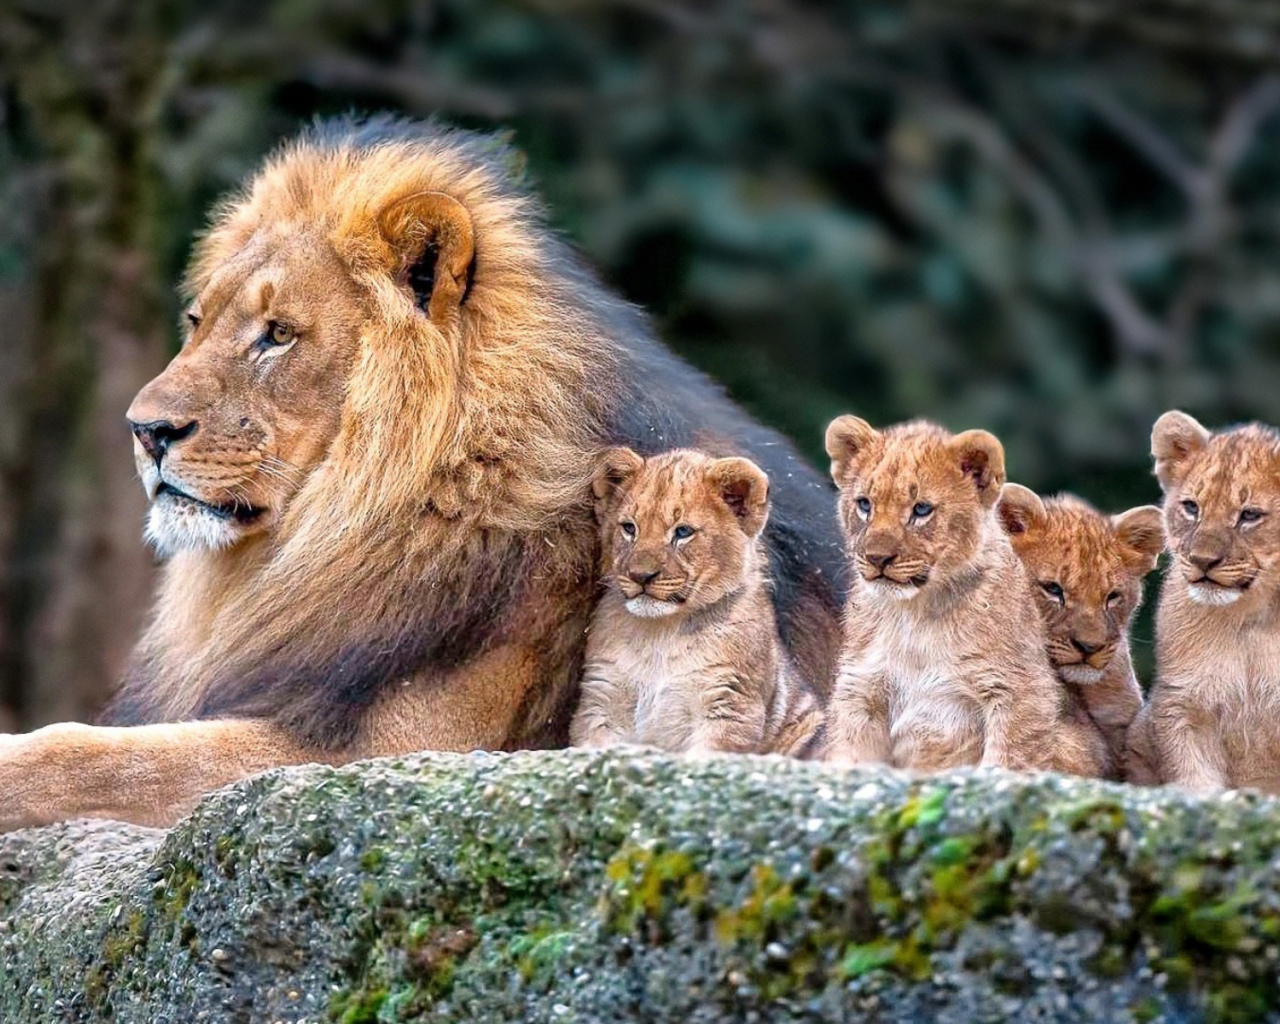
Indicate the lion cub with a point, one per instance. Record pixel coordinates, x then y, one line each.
944 659
683 650
1213 718
1086 571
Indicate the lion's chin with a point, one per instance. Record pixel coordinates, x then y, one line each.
177 523
646 607
1213 594
893 590
1080 675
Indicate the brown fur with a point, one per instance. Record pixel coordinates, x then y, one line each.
683 651
369 469
1086 572
1214 716
944 660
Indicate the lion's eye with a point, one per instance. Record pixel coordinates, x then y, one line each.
1054 590
193 319
1113 598
628 530
278 334
922 510
683 532
864 506
1191 509
1250 515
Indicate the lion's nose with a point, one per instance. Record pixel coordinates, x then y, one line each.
881 561
1205 562
1085 647
643 576
157 436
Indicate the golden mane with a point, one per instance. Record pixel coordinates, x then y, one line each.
458 483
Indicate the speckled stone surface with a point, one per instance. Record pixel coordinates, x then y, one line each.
627 886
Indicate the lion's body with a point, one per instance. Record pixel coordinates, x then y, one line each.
427 579
1212 718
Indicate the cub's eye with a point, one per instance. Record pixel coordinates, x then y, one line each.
1113 598
683 532
864 506
628 530
193 319
1251 515
278 335
1054 591
922 510
1191 509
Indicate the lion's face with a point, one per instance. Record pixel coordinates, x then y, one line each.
231 429
914 500
1086 570
1221 507
679 529
249 408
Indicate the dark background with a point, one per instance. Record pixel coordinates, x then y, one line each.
1051 218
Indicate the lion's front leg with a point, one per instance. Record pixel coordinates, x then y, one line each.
148 775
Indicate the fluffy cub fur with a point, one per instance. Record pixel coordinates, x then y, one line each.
1086 572
944 660
683 651
1214 716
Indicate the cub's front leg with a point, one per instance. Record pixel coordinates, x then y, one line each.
857 729
1187 742
1020 720
606 715
731 716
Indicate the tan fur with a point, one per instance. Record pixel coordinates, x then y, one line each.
383 440
1214 716
683 651
1086 572
944 661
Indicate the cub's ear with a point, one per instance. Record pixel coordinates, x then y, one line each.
1020 510
1141 530
613 474
744 487
433 246
981 458
847 438
1175 438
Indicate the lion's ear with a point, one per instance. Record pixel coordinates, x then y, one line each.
744 487
1020 510
981 458
433 240
847 438
1174 439
616 468
1141 530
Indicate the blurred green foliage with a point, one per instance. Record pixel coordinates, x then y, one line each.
1048 221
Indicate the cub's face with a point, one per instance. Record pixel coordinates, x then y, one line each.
1221 508
914 500
679 529
1086 570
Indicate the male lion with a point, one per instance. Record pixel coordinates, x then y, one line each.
369 469
683 651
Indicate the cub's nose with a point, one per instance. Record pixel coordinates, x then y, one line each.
642 576
157 436
1084 646
1205 562
881 561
